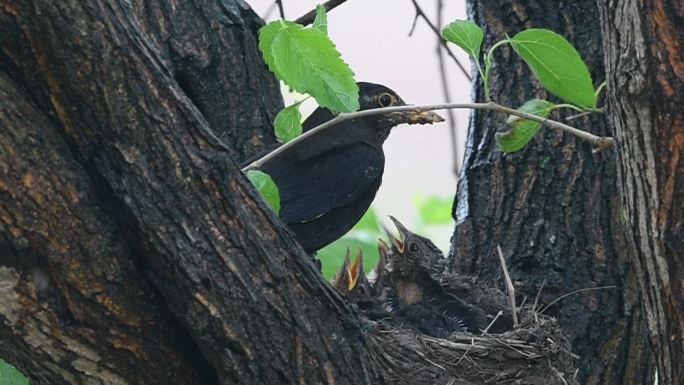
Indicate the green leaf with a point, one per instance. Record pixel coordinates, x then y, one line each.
557 65
267 35
523 130
9 375
266 187
435 210
465 34
288 123
321 20
307 61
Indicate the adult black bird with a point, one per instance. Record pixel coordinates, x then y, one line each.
328 181
418 299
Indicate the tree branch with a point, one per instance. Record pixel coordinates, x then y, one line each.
419 12
309 17
451 117
601 142
281 10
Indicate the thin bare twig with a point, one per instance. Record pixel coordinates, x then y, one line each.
309 17
559 374
269 11
536 299
508 345
419 12
281 10
599 141
575 292
451 117
509 287
413 24
499 314
472 343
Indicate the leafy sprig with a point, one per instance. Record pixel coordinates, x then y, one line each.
553 60
306 60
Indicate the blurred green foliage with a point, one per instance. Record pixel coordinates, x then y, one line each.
9 375
434 210
364 236
433 213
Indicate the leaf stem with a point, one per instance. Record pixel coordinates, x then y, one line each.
488 65
601 142
599 89
571 106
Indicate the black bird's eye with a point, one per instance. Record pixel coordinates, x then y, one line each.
413 247
385 100
362 290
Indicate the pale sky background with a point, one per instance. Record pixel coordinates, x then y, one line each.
372 36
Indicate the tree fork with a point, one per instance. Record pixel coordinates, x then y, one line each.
227 270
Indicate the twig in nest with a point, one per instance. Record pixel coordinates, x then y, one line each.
309 17
536 299
499 314
504 343
574 292
472 343
418 359
559 374
509 287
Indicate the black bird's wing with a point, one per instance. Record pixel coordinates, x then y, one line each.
313 182
318 117
461 315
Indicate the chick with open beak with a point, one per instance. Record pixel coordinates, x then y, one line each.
415 256
350 279
414 269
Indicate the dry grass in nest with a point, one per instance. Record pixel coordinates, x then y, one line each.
535 353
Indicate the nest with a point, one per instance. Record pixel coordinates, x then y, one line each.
535 353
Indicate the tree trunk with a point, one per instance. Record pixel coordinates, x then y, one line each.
132 250
644 55
553 206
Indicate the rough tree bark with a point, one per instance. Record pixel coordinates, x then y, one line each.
644 55
132 250
553 207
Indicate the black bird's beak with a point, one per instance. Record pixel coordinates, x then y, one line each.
403 232
383 250
424 117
